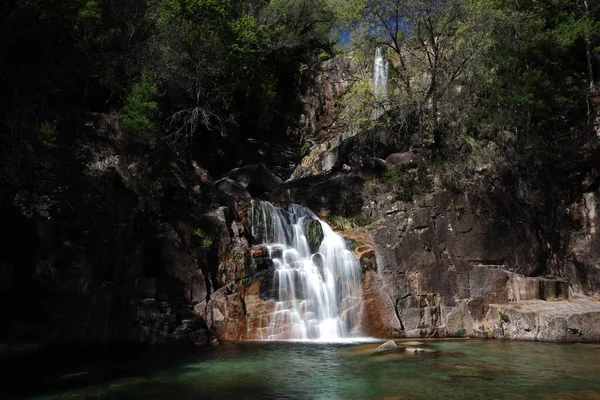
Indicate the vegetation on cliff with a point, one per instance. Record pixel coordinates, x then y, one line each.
478 68
202 74
206 74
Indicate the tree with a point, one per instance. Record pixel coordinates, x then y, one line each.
434 50
140 109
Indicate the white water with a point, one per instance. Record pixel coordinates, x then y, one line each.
318 295
380 75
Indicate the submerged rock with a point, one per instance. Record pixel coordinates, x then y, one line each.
415 350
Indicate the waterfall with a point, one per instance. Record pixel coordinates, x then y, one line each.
380 75
316 278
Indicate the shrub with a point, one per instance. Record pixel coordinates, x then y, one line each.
355 222
45 135
140 109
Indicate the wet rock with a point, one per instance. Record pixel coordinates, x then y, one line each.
191 331
417 350
258 251
389 345
225 314
317 259
202 173
261 257
314 233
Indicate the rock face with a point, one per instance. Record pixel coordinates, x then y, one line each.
575 320
460 265
320 88
328 144
446 268
117 246
353 150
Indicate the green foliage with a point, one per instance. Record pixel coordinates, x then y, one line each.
323 56
402 184
45 135
371 187
486 67
394 177
89 14
305 147
362 220
433 54
140 110
535 84
357 107
358 221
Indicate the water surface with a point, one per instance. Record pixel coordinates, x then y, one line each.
460 369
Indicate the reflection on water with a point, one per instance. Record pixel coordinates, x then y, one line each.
458 369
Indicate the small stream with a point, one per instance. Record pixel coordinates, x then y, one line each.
458 369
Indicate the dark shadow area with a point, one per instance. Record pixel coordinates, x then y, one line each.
68 368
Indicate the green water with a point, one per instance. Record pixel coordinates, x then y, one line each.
460 369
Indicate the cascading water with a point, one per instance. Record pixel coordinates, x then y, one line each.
316 278
380 75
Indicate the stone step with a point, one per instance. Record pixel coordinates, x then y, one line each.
575 320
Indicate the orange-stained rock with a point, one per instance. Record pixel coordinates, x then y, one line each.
380 317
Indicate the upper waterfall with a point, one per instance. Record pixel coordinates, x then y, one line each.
316 278
380 75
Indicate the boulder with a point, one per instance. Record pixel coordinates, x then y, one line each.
232 188
256 179
462 146
402 160
389 345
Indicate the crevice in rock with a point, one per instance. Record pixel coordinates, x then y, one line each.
396 309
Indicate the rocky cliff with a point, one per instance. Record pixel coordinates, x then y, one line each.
119 242
512 255
116 242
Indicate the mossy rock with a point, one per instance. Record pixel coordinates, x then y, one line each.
351 244
314 233
262 221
